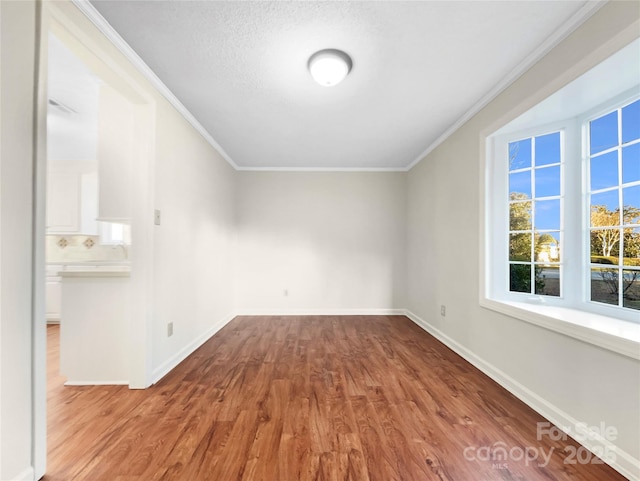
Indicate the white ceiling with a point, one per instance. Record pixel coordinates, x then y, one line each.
72 131
418 67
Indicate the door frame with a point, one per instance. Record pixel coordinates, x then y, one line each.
67 21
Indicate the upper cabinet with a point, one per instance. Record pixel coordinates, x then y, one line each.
72 197
115 142
63 203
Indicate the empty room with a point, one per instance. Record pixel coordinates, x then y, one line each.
319 240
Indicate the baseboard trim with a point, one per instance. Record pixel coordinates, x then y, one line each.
96 383
321 312
624 462
166 367
26 475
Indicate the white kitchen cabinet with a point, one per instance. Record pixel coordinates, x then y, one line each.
63 203
54 295
72 197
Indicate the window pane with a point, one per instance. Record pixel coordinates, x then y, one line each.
604 171
520 216
548 149
605 209
605 246
631 122
547 181
604 285
631 289
520 247
631 203
520 154
604 132
631 163
547 280
631 254
520 183
520 278
547 214
547 247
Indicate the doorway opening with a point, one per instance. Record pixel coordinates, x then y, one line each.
94 217
88 219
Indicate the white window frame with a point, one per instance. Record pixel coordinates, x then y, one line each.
502 145
498 219
585 119
573 313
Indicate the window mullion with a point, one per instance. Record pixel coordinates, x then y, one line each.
572 215
533 216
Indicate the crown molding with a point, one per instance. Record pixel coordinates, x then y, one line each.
322 169
577 19
114 37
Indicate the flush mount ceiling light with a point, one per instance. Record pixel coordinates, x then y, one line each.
329 67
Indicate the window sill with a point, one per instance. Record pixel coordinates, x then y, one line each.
622 337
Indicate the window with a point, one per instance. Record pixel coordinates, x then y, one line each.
565 212
561 203
614 206
534 214
112 233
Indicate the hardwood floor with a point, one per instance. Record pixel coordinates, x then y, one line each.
304 398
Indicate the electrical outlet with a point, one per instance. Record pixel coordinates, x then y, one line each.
156 217
170 329
285 292
443 310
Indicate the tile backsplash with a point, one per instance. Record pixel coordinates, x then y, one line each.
61 249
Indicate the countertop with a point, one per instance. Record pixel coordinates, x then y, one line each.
91 270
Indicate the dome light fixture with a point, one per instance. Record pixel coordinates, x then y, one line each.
329 67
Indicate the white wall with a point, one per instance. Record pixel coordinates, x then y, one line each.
335 241
17 43
194 245
588 383
116 158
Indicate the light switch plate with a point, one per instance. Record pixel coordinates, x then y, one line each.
156 217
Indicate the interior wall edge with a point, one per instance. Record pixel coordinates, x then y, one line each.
18 45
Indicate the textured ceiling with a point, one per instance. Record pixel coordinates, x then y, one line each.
418 67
